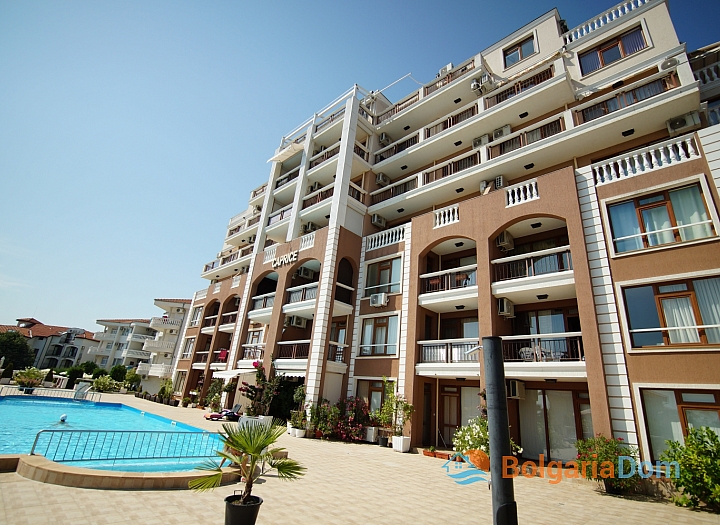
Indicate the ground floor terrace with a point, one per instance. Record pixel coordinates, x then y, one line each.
345 483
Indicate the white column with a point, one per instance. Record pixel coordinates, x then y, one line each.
611 347
402 347
301 185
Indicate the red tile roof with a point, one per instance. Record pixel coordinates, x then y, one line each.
187 301
42 330
4 328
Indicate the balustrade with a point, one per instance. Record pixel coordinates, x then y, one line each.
263 301
521 193
307 241
385 238
526 138
305 292
608 17
448 351
519 87
324 156
396 148
446 216
449 78
397 108
651 158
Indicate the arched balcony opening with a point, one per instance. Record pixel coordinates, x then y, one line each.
299 309
534 285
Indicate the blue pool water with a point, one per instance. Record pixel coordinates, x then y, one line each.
23 418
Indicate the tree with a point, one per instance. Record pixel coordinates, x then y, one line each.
14 347
73 374
118 373
99 372
89 367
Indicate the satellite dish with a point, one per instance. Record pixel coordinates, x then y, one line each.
668 63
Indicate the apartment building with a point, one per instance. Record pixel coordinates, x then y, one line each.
53 346
559 190
121 343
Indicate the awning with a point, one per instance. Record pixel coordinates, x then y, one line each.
229 374
287 152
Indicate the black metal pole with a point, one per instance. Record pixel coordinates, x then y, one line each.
503 495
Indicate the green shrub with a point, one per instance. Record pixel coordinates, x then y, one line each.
30 377
699 465
473 436
73 375
601 449
118 373
105 383
132 379
99 372
166 389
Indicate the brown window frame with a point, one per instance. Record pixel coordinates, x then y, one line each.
518 47
380 321
608 44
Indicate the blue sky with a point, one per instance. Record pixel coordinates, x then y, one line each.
131 131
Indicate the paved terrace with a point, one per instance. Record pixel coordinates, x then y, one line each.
344 484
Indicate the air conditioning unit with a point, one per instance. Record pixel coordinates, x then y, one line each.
483 186
505 307
482 86
298 322
257 209
382 180
504 241
481 141
309 227
385 139
475 85
252 239
683 123
288 320
243 269
378 220
502 132
378 300
487 86
313 187
516 389
500 182
305 273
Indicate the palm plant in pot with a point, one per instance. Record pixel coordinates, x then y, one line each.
247 447
29 379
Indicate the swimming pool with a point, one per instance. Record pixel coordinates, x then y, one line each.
24 418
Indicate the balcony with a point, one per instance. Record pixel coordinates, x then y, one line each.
328 121
208 324
219 359
277 219
524 138
251 352
397 147
293 349
139 338
338 352
518 88
163 324
521 278
445 290
261 307
228 264
397 108
343 300
239 234
452 120
283 181
158 346
257 192
227 322
200 360
323 157
318 196
301 300
449 78
537 357
448 358
97 350
155 370
135 354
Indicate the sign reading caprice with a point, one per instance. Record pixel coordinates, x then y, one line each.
285 259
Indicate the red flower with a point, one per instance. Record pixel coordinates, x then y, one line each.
620 439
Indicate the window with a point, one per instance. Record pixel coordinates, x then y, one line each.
676 313
108 346
372 393
519 51
612 51
383 277
669 414
663 218
103 361
195 319
379 336
188 348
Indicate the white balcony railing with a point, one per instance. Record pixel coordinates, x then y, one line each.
446 216
560 346
448 351
97 350
135 354
449 279
306 292
608 17
269 253
139 337
708 74
385 238
164 323
200 294
657 156
521 193
263 301
153 345
307 241
541 262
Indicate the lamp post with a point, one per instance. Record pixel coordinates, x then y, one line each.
503 494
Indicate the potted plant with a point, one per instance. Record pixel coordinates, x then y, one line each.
29 379
7 374
430 452
402 411
604 450
246 447
185 401
299 423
